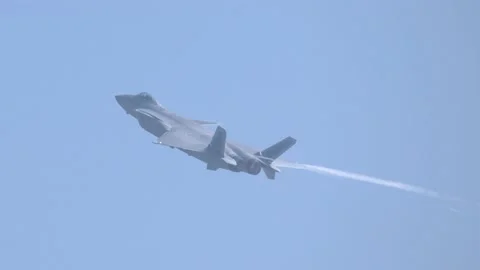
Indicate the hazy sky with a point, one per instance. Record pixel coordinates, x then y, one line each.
384 88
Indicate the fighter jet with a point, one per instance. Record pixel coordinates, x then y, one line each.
194 138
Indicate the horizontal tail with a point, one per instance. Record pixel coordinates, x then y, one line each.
268 155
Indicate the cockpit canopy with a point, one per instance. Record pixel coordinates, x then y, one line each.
147 97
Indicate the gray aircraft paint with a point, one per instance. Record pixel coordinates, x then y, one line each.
158 121
195 139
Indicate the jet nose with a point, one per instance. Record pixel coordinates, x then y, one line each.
119 98
123 101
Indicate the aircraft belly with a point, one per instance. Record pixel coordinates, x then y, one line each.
198 155
206 158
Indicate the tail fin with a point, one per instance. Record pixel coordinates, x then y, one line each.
217 144
269 172
273 152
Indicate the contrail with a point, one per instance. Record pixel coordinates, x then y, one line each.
365 178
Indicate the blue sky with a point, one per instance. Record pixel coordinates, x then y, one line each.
383 88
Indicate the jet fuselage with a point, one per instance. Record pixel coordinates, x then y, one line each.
193 138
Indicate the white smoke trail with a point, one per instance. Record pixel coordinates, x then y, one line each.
365 178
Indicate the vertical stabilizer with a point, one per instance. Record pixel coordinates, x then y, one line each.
269 172
275 151
217 144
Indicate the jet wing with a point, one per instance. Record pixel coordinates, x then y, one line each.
155 115
182 138
179 136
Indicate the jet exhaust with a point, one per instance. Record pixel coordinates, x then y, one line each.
367 179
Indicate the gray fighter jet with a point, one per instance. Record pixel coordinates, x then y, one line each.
194 138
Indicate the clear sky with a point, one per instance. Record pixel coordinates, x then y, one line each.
384 88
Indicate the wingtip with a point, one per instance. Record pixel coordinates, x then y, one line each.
292 140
